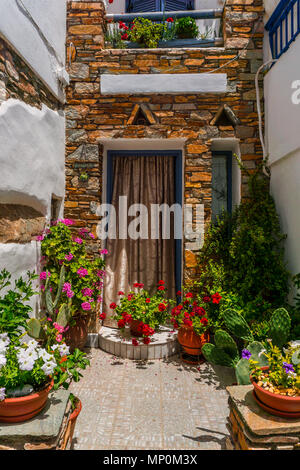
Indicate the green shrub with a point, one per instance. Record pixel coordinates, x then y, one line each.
186 27
146 33
243 254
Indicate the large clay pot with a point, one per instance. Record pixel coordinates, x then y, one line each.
76 336
281 403
15 410
190 341
134 328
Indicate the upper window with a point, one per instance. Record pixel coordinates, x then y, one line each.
136 6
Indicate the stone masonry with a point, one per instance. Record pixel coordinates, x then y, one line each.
92 117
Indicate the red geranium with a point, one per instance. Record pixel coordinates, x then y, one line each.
161 282
120 292
179 293
204 321
121 323
124 36
189 295
102 316
113 306
216 298
170 20
146 340
135 342
148 301
161 288
161 307
206 299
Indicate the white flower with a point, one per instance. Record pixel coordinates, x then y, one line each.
4 338
2 361
64 349
55 346
2 393
32 344
26 364
48 367
3 347
31 354
44 355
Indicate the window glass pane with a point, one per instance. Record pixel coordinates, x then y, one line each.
219 185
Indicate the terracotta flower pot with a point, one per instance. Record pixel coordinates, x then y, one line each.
190 341
134 328
15 410
76 336
281 403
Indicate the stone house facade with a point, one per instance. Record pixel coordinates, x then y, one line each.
102 106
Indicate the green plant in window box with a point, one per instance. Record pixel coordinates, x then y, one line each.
146 33
186 28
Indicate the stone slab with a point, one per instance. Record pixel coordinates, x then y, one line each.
163 344
255 419
43 427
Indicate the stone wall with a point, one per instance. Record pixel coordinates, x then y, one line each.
93 119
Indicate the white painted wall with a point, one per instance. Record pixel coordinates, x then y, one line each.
32 140
282 136
38 35
32 144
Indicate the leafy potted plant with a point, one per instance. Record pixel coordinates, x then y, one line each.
192 323
186 28
277 386
144 32
82 280
142 312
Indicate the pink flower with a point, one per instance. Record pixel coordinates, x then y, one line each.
87 292
103 252
40 238
69 257
86 306
83 231
101 273
58 338
42 287
49 319
78 240
99 299
82 272
91 235
43 275
67 221
70 294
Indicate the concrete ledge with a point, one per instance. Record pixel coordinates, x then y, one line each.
182 83
163 344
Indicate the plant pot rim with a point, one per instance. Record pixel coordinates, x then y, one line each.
271 394
31 396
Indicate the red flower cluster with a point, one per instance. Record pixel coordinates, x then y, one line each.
189 314
125 28
215 298
102 316
140 285
113 306
170 20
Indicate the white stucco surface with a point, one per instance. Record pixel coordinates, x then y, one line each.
163 83
22 32
18 259
32 143
282 138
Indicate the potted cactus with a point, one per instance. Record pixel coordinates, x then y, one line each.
225 351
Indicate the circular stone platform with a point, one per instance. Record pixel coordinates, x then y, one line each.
163 344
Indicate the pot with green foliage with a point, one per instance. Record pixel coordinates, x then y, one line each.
226 352
186 28
78 287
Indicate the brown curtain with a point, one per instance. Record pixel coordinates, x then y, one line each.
146 180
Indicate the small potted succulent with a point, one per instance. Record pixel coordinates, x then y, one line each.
277 386
82 279
192 323
141 311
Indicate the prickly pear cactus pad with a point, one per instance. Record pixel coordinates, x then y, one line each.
224 341
237 325
280 325
216 355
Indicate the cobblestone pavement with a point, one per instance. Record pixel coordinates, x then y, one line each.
159 404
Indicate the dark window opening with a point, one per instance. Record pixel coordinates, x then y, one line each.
136 6
221 183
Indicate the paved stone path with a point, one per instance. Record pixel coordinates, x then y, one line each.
159 404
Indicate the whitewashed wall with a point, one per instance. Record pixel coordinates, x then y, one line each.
32 140
282 118
37 30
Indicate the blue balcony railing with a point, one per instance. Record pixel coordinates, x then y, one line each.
283 26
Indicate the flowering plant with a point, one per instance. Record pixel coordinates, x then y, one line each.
149 311
189 313
283 374
83 276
